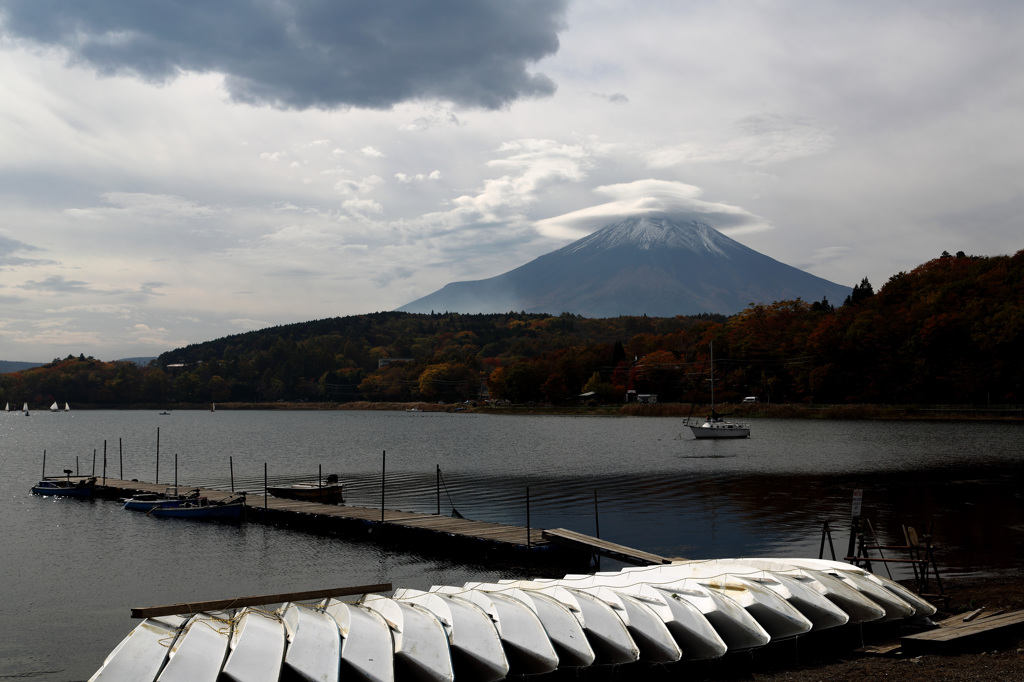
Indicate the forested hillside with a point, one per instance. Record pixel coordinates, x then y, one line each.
950 331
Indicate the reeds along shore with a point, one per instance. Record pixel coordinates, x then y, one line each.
674 410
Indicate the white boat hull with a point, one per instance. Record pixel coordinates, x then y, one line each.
687 610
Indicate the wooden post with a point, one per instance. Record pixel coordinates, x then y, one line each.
104 462
383 472
528 543
438 489
858 498
44 466
93 462
231 466
175 469
157 479
264 491
120 458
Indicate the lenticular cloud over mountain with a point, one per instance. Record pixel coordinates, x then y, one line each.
653 265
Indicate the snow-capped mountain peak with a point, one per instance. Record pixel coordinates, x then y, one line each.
653 232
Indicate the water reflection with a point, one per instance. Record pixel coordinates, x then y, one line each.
74 568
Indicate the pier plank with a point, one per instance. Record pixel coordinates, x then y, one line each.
610 549
963 634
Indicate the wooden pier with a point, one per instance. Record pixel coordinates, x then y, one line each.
479 538
604 548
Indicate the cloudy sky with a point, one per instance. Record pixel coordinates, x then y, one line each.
174 172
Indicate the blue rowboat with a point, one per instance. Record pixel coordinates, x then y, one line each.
203 508
85 487
169 498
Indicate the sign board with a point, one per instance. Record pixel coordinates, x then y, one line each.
858 497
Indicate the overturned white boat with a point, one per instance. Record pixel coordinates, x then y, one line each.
683 611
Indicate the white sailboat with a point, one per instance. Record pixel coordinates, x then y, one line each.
24 408
714 426
67 408
7 407
54 407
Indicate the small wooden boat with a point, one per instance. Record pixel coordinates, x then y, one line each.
169 498
309 492
203 508
84 487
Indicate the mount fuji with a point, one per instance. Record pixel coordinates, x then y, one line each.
651 265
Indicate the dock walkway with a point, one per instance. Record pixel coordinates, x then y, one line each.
274 510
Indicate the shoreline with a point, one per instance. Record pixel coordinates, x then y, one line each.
1010 413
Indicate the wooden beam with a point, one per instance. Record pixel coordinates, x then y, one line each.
239 602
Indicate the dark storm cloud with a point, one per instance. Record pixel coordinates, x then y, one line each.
311 53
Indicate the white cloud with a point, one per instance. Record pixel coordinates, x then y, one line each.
851 140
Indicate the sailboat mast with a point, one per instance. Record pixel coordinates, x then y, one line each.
712 377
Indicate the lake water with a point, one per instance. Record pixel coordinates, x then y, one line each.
72 570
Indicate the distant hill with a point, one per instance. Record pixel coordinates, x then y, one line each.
10 366
647 265
141 362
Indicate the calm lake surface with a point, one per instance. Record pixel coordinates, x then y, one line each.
72 570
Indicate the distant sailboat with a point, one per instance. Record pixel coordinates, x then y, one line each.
7 407
213 407
24 408
54 407
67 408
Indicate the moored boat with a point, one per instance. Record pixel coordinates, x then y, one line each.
203 508
714 426
169 498
84 487
329 492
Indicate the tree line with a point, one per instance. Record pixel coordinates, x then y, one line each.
949 331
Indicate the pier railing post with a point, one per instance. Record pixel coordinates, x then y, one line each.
44 466
157 479
231 469
120 459
383 470
438 489
528 543
104 462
